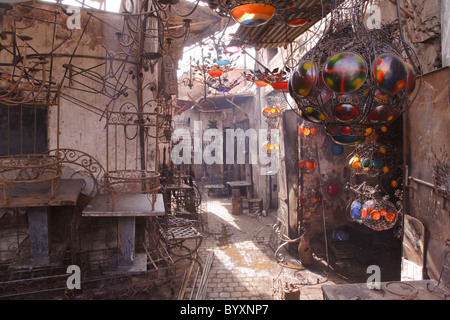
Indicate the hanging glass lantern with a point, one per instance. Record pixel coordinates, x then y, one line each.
354 80
372 210
271 114
270 147
275 78
253 14
372 159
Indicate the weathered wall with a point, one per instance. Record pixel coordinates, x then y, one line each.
445 36
84 96
426 143
421 23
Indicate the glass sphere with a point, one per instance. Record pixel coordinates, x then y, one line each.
314 115
337 149
333 189
390 73
379 113
347 140
346 112
356 213
345 72
304 78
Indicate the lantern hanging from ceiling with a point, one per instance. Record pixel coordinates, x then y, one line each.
355 79
275 78
372 159
272 114
253 14
215 66
371 209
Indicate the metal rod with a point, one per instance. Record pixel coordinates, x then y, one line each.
323 209
425 183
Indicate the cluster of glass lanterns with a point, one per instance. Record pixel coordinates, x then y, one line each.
354 80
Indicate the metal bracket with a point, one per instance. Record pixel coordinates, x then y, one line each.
424 183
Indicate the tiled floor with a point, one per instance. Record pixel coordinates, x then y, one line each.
244 267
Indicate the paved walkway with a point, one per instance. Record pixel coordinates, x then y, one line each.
244 267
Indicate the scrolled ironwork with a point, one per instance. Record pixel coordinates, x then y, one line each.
131 181
82 165
29 168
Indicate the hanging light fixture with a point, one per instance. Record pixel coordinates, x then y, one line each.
373 159
371 209
253 14
354 80
272 114
275 78
214 67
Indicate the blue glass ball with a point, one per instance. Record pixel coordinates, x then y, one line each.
355 212
337 149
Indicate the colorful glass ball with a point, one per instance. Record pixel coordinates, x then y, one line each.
380 211
390 73
379 113
314 115
346 112
355 209
348 140
333 189
346 130
304 78
356 213
345 72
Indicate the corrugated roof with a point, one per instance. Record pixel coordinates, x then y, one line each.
277 33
